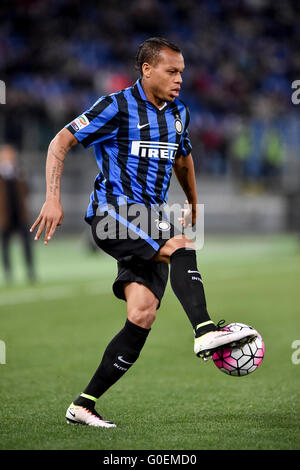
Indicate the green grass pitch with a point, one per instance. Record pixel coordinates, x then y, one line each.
56 331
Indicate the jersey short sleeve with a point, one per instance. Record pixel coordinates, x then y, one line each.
185 146
99 123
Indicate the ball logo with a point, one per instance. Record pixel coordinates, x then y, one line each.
178 126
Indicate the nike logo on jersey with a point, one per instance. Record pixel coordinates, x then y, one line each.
144 125
122 360
189 271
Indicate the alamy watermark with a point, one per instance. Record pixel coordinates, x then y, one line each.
296 354
2 352
296 95
2 92
150 223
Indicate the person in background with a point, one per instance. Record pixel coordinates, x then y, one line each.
13 210
272 159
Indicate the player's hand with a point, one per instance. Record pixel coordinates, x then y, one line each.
50 217
189 216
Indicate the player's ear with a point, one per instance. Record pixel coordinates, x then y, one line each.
146 68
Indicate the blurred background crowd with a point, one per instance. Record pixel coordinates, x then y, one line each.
242 56
57 58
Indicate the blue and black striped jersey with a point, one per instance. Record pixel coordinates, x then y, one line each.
135 144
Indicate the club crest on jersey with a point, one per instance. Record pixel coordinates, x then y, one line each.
162 225
79 123
151 149
178 126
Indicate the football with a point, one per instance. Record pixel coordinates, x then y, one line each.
243 360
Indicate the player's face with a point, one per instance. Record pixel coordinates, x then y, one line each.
164 78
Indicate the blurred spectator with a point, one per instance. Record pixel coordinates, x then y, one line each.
241 149
13 210
272 158
241 57
215 149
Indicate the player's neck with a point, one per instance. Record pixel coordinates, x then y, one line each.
159 103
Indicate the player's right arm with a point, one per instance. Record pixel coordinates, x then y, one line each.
51 214
97 124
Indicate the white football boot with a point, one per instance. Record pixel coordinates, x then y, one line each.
207 344
80 415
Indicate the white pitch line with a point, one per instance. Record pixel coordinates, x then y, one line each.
51 293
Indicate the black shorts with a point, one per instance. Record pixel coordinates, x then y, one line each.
133 241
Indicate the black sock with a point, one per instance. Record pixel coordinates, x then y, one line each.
187 285
119 356
83 400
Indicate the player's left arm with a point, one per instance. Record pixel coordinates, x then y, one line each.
185 174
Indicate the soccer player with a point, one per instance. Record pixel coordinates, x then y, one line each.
139 135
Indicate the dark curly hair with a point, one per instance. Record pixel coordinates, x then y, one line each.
149 51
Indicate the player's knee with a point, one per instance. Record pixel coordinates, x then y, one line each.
143 315
173 245
183 242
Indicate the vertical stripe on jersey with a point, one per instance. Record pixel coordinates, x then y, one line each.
176 114
143 165
162 165
170 122
111 198
123 149
133 160
99 178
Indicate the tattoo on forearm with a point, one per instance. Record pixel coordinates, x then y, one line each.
62 152
56 169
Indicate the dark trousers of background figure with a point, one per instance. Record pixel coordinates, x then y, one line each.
6 238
